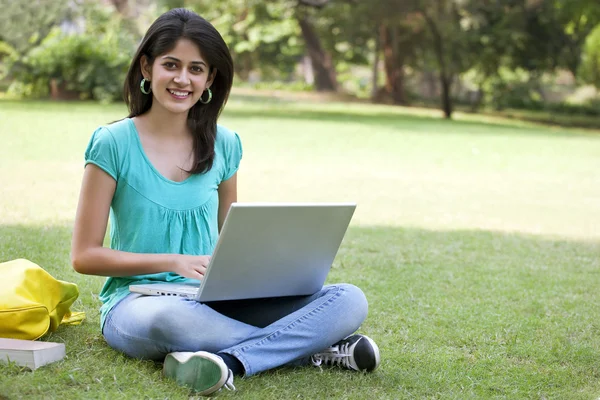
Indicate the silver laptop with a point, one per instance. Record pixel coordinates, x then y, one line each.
268 250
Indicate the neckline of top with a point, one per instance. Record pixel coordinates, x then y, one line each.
141 149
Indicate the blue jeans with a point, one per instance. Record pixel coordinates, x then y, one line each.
261 333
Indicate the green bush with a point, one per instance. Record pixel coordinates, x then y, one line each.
296 86
83 64
590 109
6 53
589 71
512 89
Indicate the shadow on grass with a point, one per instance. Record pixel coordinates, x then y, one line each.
398 120
275 108
459 313
66 107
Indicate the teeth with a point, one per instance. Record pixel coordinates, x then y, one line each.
176 93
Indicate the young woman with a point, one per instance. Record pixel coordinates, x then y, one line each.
166 177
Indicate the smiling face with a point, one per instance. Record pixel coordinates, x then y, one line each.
178 77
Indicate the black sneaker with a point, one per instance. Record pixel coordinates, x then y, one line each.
356 352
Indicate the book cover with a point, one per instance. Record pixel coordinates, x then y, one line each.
30 353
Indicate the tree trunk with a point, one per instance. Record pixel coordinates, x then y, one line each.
59 91
446 98
243 66
307 70
129 15
122 6
375 73
445 74
393 64
322 62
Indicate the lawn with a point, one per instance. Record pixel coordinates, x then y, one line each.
477 243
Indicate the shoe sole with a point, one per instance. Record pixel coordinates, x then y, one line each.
203 372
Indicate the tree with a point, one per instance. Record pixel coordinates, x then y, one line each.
494 32
374 29
263 36
450 42
578 18
26 23
322 62
590 67
395 40
528 38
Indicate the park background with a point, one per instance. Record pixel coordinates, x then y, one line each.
466 131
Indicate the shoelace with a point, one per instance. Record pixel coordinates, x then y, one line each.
336 355
229 382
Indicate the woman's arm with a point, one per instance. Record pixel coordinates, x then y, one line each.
227 195
88 256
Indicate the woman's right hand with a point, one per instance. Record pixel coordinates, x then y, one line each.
189 266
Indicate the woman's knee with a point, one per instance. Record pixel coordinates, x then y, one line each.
357 306
142 324
132 338
163 325
175 324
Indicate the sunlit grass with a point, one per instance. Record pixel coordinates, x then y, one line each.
476 242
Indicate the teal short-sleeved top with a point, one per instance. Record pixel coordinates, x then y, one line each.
152 214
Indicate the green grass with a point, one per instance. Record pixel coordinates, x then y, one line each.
477 243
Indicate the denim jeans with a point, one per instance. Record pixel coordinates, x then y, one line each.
261 333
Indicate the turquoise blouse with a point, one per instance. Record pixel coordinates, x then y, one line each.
152 214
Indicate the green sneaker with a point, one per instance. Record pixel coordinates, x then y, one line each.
203 372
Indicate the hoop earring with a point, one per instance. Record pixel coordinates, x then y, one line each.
209 97
143 86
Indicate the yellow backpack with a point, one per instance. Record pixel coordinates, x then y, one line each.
32 302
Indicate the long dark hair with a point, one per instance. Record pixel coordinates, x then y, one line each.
161 37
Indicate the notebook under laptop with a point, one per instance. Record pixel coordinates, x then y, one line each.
268 250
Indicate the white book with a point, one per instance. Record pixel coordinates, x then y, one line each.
30 353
